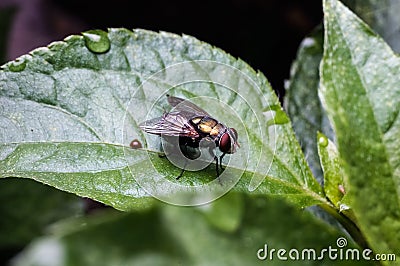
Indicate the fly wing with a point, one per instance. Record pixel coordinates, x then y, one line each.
188 109
170 124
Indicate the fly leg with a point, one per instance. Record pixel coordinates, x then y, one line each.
163 155
184 147
216 165
183 170
220 161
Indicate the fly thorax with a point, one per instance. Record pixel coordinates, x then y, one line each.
205 125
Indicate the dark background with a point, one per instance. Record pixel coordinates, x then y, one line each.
264 33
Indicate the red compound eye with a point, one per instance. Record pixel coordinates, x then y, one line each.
225 143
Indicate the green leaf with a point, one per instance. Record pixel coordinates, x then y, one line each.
225 213
334 181
359 88
174 235
302 102
69 114
382 16
301 98
29 207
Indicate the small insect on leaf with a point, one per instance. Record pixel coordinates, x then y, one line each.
135 144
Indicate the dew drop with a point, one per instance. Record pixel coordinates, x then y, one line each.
322 140
280 116
96 41
343 207
308 42
17 65
135 144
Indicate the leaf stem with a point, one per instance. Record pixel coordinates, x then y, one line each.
348 224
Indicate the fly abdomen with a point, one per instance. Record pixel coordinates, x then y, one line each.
189 147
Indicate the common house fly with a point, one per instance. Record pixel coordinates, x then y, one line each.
191 125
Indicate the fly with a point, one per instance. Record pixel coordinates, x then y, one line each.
192 124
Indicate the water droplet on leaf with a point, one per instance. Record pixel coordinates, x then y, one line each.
322 140
97 41
17 65
280 116
343 207
308 42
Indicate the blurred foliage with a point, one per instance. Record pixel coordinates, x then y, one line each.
170 235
